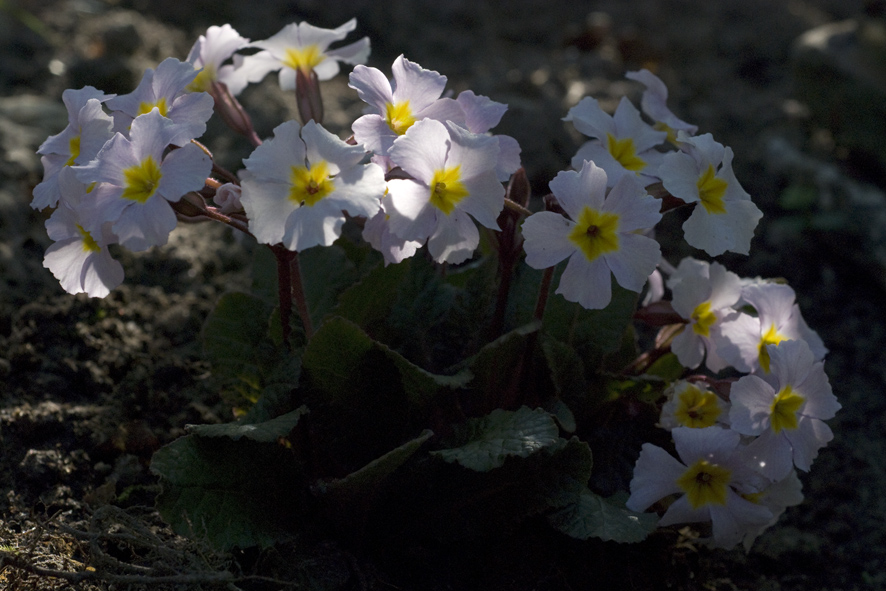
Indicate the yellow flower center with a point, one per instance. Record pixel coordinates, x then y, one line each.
625 152
697 408
595 232
705 484
141 180
146 107
672 135
303 58
89 243
711 190
704 319
310 184
785 407
399 117
770 337
204 79
74 146
447 189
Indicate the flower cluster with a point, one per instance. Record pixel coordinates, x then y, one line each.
423 169
740 441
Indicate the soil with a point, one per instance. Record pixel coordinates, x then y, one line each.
89 388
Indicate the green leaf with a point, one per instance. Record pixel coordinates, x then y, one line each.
231 492
666 367
244 358
452 502
365 398
356 491
326 272
591 333
567 373
369 302
486 442
266 432
232 333
592 516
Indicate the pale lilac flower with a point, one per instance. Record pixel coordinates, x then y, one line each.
693 405
301 46
623 143
599 237
655 288
453 179
209 54
79 259
785 409
135 182
481 115
777 497
705 303
300 184
227 198
166 89
778 319
377 232
710 478
688 267
654 104
394 106
701 172
89 127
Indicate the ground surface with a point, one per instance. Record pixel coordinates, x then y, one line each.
89 389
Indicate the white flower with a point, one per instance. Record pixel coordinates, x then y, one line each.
710 478
79 259
301 46
624 144
300 184
705 302
691 404
89 127
166 90
654 104
701 173
778 496
377 232
599 237
744 337
209 54
136 182
785 410
454 180
394 106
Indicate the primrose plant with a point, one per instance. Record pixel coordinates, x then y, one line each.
413 387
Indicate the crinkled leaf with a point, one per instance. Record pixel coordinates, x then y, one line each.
592 516
452 502
231 493
326 272
592 333
265 432
486 442
369 302
243 357
365 398
508 371
362 484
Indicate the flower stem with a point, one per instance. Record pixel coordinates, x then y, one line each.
514 206
543 291
298 291
284 288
